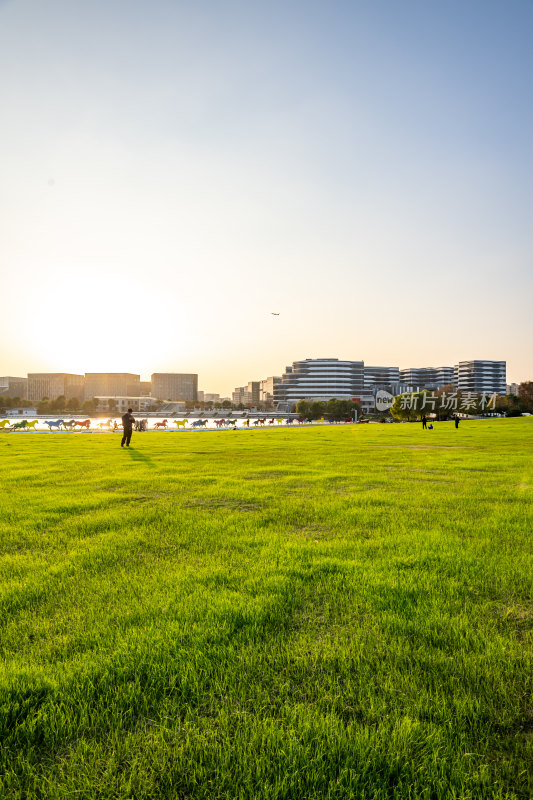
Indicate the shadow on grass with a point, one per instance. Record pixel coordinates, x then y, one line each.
137 456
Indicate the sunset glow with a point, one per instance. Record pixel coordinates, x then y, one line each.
358 168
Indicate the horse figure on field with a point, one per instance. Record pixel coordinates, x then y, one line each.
181 423
289 420
199 423
262 420
103 426
20 426
246 423
271 421
4 423
32 424
279 420
229 422
69 424
53 423
86 423
159 425
219 422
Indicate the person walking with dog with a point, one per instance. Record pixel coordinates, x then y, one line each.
128 421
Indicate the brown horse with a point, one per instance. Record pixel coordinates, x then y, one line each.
86 423
160 424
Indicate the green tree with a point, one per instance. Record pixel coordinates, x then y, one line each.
316 409
90 406
59 403
44 406
510 405
408 406
525 393
226 404
73 404
303 408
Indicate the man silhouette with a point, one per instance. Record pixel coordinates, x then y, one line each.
127 423
424 421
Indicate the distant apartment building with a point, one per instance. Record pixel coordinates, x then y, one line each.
175 386
248 395
266 389
209 397
121 404
112 384
387 378
13 387
481 376
512 388
54 384
237 395
145 388
427 377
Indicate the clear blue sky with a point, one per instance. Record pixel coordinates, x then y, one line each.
172 172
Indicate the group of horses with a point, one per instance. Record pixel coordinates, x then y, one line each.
142 425
59 424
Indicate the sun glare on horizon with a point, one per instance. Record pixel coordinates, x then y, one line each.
103 325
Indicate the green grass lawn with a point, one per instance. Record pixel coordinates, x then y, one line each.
332 612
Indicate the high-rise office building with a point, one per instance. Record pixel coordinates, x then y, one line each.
266 388
481 376
112 384
13 387
427 377
175 386
54 384
248 395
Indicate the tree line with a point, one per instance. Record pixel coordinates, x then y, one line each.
334 409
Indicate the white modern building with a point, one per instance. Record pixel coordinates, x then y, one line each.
427 377
481 376
322 379
387 378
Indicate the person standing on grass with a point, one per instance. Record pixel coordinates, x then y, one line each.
424 422
456 418
128 421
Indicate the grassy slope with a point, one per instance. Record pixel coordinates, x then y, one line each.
332 612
